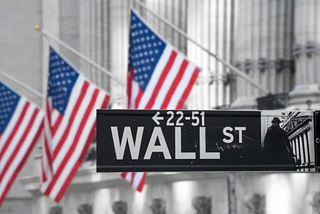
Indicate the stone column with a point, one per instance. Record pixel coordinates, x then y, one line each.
306 55
69 29
209 23
262 50
51 16
103 201
243 57
119 24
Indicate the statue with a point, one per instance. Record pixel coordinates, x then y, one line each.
55 210
202 205
256 204
85 209
316 203
158 206
119 207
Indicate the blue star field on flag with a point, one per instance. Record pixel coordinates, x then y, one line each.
62 78
145 51
8 103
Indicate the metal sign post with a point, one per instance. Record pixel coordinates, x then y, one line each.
185 140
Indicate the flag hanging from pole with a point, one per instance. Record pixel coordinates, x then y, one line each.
69 124
21 123
159 77
136 179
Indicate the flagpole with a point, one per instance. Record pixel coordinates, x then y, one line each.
130 6
230 66
83 57
22 84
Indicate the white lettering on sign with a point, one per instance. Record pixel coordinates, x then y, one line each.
178 118
157 135
169 123
127 137
203 153
227 132
240 129
156 118
195 118
152 147
179 154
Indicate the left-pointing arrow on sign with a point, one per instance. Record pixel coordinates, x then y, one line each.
156 119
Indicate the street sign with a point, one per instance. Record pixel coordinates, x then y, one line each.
194 140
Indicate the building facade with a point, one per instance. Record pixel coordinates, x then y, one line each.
275 42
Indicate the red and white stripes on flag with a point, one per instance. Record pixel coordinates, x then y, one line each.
69 127
21 123
159 77
136 179
169 85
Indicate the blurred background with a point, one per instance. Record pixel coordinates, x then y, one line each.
274 42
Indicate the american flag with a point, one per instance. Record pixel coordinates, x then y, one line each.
136 179
159 77
70 122
21 123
